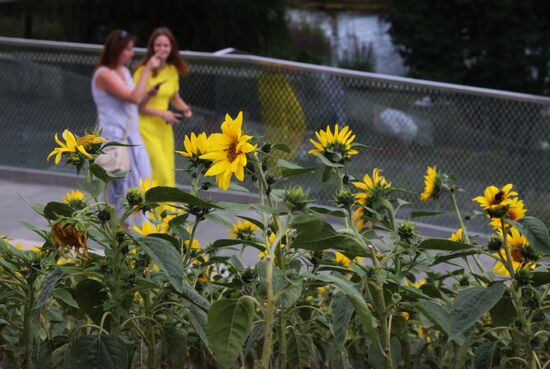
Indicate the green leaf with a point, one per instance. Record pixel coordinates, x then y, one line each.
290 169
233 207
281 147
470 305
219 219
39 208
90 296
536 233
540 278
44 355
327 162
93 187
232 242
93 351
458 254
267 209
47 287
165 255
485 355
312 233
377 359
424 213
330 211
327 173
443 245
100 173
199 322
504 312
229 323
54 210
62 294
175 347
342 310
361 308
299 350
172 194
438 316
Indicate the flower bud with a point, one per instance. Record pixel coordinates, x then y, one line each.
344 198
295 198
406 231
494 244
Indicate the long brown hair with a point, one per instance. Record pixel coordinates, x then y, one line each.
174 58
114 45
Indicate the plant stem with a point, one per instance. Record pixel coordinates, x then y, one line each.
27 329
268 335
282 340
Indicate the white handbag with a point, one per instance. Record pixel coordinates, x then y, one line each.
116 159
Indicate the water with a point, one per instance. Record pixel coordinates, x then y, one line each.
342 27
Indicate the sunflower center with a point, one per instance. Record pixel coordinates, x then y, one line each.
499 197
516 254
232 153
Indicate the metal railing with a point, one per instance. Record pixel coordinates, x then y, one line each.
480 135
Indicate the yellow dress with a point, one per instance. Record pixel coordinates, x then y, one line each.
157 134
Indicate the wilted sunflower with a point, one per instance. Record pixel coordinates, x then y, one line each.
243 230
335 147
517 243
494 200
457 237
70 146
75 199
432 184
70 234
228 152
195 146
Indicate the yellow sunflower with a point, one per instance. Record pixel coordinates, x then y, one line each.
432 184
517 243
70 146
195 146
146 228
373 186
494 199
457 237
228 152
89 140
344 261
515 210
270 241
243 230
335 147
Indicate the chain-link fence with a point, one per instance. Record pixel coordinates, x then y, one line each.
481 136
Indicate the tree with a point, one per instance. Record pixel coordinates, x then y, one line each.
502 44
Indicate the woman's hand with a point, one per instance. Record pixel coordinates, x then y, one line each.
171 117
153 62
187 113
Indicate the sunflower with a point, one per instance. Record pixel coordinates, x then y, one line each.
70 146
90 142
495 200
243 230
457 237
374 187
517 243
270 241
228 152
432 184
335 147
69 233
146 228
195 146
75 199
515 210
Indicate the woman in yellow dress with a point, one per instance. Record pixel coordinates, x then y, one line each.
155 119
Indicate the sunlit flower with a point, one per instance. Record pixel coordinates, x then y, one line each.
70 234
495 200
457 237
432 184
374 187
517 243
90 141
335 147
344 261
270 241
195 146
146 228
515 210
146 184
70 146
228 152
75 199
243 230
